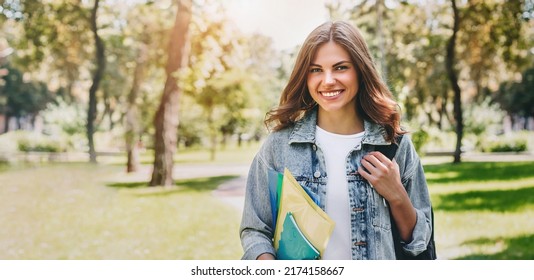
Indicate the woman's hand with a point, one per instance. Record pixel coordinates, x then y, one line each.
383 174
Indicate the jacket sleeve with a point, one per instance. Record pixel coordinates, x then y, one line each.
256 228
413 179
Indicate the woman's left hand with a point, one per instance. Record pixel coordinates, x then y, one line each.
383 174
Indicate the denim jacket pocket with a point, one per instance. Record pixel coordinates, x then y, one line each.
380 211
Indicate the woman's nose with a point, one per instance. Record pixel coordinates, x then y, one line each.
329 78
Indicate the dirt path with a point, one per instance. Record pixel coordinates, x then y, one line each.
232 192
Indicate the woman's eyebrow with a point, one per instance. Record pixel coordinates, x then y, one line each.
336 64
341 62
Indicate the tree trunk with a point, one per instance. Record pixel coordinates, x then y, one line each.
132 114
166 120
7 116
97 77
453 78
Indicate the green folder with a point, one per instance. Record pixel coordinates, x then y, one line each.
293 243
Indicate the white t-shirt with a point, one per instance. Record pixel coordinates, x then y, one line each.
336 148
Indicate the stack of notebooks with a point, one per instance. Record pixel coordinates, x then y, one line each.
302 228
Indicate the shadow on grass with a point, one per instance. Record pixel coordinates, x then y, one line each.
478 171
186 185
517 248
495 200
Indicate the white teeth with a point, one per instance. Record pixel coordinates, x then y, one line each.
330 93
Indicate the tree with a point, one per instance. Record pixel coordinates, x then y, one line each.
517 98
97 77
54 38
19 98
492 38
166 120
453 78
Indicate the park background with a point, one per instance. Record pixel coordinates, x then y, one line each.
127 127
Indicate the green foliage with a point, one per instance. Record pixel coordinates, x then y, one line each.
27 141
520 141
517 98
227 77
483 118
40 145
55 29
419 139
19 98
234 78
507 144
60 117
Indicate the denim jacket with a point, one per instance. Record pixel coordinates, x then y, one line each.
295 148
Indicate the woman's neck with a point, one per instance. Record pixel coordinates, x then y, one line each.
340 122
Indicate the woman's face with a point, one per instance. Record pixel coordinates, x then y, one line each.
332 79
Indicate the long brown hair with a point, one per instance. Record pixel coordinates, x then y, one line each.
374 101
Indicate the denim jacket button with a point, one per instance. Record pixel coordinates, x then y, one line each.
314 147
317 174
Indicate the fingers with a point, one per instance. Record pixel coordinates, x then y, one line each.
375 161
375 165
378 155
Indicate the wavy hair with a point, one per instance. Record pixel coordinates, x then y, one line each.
374 101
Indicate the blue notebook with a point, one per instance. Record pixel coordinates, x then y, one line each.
293 244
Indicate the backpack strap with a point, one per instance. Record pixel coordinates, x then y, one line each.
390 150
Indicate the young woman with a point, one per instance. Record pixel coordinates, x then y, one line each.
333 114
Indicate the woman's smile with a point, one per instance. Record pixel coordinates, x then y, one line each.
332 93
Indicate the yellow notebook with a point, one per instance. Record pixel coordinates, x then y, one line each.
314 223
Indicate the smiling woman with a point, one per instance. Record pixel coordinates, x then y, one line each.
333 114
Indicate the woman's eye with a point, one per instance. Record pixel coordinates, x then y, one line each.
342 67
315 70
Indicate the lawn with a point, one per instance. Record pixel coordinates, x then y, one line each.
483 210
80 211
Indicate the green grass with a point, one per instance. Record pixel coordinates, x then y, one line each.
483 210
478 172
81 211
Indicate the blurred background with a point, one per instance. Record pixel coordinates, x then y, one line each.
127 127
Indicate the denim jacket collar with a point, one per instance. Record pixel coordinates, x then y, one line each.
304 131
